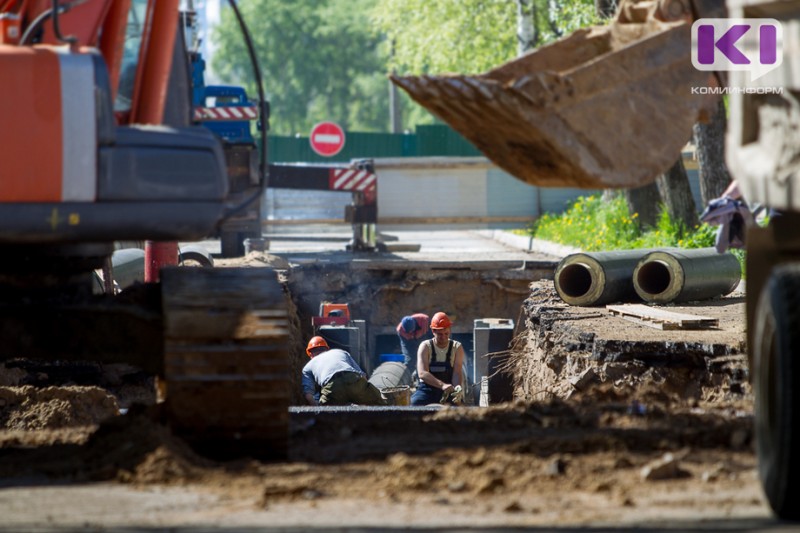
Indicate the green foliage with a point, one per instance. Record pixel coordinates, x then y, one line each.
329 59
468 36
464 36
320 60
592 224
447 35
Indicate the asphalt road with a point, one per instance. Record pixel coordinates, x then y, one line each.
444 245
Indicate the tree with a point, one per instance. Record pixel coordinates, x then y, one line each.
526 26
676 193
645 202
320 60
605 8
469 36
709 139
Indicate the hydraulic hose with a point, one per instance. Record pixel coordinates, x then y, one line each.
263 167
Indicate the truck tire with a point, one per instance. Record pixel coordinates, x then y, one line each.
776 381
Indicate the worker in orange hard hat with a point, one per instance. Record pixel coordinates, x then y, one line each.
336 376
439 363
316 344
411 331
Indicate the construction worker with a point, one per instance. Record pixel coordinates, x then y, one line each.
337 377
439 363
411 331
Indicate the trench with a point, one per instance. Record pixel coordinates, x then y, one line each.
475 295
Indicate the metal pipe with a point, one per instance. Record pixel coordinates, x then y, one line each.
677 275
598 278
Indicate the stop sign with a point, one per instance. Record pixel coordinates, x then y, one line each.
327 139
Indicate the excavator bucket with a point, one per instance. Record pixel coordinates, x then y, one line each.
607 107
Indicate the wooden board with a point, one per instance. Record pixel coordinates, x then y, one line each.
658 318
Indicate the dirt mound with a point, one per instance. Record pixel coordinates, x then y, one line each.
31 408
128 384
135 448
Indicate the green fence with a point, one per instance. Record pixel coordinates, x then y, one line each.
432 140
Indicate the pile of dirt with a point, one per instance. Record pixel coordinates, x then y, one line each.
128 385
134 448
30 408
139 447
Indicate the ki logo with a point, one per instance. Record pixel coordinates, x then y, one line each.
746 44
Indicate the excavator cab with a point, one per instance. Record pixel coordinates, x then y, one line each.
76 168
71 174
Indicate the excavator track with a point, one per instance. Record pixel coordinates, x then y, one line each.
226 363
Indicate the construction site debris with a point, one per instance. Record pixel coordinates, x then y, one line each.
666 467
661 318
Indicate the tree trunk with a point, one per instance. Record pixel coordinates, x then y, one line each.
677 195
605 9
526 26
609 194
644 201
709 139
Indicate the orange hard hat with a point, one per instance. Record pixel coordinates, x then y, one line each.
440 321
316 342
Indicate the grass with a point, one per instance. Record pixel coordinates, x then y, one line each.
593 224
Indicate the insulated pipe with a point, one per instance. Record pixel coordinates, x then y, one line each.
677 275
598 278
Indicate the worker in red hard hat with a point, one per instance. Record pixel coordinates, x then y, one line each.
411 331
439 363
336 376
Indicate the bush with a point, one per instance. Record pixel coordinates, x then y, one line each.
592 224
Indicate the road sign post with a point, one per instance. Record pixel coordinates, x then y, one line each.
327 139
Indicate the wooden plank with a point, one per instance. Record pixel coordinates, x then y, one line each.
661 318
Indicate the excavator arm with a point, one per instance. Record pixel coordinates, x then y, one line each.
606 107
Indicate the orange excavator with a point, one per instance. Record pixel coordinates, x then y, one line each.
612 106
97 145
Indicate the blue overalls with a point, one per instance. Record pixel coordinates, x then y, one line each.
442 370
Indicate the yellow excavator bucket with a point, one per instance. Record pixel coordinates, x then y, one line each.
606 107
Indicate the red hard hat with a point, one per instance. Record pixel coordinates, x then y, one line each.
440 321
316 342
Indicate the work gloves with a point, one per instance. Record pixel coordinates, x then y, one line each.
453 395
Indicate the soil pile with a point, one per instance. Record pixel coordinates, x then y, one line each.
30 408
